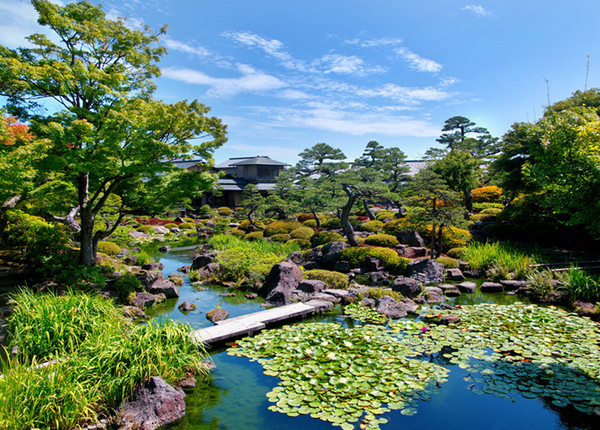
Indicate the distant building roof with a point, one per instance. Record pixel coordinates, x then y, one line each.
245 161
415 166
233 184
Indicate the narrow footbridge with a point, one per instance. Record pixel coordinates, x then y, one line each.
246 325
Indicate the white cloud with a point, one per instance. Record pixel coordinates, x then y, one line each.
478 10
18 19
406 95
293 95
386 41
417 62
176 45
251 80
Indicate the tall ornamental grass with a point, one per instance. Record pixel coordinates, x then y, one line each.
499 256
101 359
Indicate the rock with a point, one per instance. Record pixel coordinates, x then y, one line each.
210 224
426 271
330 254
217 314
153 266
175 230
433 295
449 319
296 258
312 286
372 264
208 270
320 305
412 251
137 234
152 405
144 300
491 287
337 292
148 278
454 275
187 383
409 306
585 309
368 303
452 292
326 297
251 296
284 277
408 287
177 280
160 229
184 269
513 285
410 237
164 248
474 273
390 307
164 286
447 306
378 278
187 307
342 266
202 261
467 287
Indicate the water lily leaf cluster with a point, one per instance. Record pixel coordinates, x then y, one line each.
342 375
364 314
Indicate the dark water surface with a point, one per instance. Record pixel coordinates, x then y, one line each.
234 395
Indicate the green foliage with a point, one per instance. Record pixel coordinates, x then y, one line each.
310 223
302 233
325 237
485 255
224 211
482 217
491 211
332 279
238 264
255 235
244 225
187 226
145 229
384 240
377 293
281 227
109 248
540 283
281 237
478 207
170 225
304 216
357 255
448 262
385 214
206 212
580 285
238 232
126 285
142 257
332 223
372 226
455 252
456 237
490 194
302 243
398 225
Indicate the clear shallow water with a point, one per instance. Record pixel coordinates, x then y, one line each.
234 395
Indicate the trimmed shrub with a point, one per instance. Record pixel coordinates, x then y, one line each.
187 225
456 237
224 211
372 226
238 263
145 229
455 252
206 211
478 207
491 211
357 255
108 248
171 225
238 232
303 216
310 223
281 237
482 217
396 226
244 225
303 243
384 214
281 227
385 240
255 235
188 219
332 279
325 237
302 233
332 223
377 293
487 194
448 262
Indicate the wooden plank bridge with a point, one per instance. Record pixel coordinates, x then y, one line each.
246 325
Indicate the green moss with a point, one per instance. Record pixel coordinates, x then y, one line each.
255 235
303 243
325 237
332 279
385 214
224 211
171 225
357 255
310 223
109 248
448 262
372 226
238 232
455 252
385 240
281 237
145 229
377 293
187 226
302 233
281 227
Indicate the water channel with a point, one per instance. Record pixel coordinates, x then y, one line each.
234 396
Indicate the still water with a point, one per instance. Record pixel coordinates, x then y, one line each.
234 395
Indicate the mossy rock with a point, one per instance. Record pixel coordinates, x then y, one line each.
325 237
224 211
171 225
187 226
385 240
238 232
448 262
145 229
372 226
255 235
109 248
384 214
310 223
332 279
281 227
281 238
302 233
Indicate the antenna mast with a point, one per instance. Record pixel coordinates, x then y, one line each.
587 72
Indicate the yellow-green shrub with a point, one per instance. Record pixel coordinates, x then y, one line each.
310 223
455 252
478 207
237 232
108 248
281 237
482 217
491 211
385 214
487 194
224 211
187 225
281 227
324 237
357 255
448 262
171 225
377 293
396 226
456 237
303 243
302 233
255 235
385 240
145 229
332 223
332 279
372 226
303 216
244 225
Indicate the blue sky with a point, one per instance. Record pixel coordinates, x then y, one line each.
287 75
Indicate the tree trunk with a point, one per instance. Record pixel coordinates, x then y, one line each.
368 210
317 220
345 218
468 199
87 250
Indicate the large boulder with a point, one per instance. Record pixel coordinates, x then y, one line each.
144 300
454 275
433 295
331 253
410 237
411 251
187 307
202 261
491 287
283 278
312 286
160 229
408 287
164 286
152 405
390 307
467 287
426 271
217 314
513 284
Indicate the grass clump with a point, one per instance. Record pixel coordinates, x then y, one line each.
102 359
384 240
281 227
486 255
325 237
372 226
108 248
448 262
357 255
580 285
377 293
332 279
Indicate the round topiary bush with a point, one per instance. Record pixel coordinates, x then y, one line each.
310 223
372 226
455 252
109 248
396 226
302 243
145 229
171 225
491 211
255 235
332 223
357 255
324 237
487 194
332 279
384 214
448 262
303 216
302 233
224 211
187 225
237 232
385 240
482 217
282 238
281 227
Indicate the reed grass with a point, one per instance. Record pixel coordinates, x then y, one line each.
223 242
499 256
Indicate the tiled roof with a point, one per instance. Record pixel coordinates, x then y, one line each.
245 161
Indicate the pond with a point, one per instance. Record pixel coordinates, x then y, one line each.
234 396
